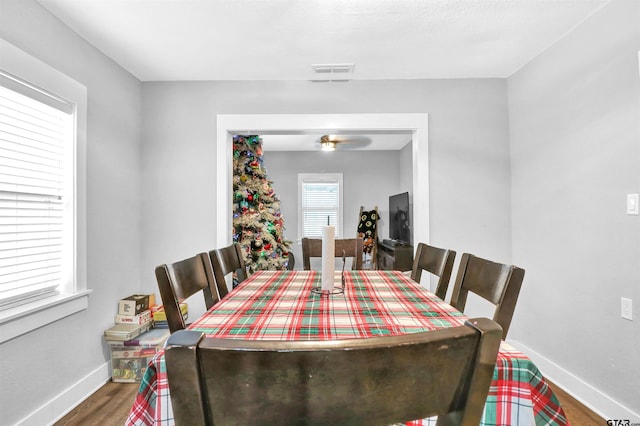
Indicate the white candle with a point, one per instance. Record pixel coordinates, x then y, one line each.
328 257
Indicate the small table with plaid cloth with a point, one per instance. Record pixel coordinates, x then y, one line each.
279 305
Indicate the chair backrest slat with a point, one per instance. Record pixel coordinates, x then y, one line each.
495 282
380 380
179 280
436 261
225 261
350 247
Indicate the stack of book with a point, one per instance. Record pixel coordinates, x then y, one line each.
133 318
160 316
133 340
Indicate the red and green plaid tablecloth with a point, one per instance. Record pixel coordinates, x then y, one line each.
280 305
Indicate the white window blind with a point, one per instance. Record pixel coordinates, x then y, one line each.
35 134
320 203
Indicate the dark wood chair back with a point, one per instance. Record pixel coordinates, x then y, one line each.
291 262
350 247
225 261
180 280
380 380
436 261
495 282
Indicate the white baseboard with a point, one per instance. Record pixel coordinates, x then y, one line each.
598 402
69 398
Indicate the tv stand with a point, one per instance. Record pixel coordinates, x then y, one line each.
392 243
394 255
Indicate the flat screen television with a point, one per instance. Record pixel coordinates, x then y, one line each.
399 218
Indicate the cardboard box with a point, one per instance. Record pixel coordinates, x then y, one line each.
129 359
134 304
133 319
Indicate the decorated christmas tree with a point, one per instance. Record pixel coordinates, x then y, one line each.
257 222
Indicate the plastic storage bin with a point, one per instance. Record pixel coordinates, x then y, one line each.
129 359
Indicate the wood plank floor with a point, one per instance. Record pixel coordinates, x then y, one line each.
110 405
576 412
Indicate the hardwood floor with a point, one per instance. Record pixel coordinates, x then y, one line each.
110 405
578 414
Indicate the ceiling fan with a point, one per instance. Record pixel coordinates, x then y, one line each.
331 142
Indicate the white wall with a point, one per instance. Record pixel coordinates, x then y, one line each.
369 178
468 148
575 146
42 370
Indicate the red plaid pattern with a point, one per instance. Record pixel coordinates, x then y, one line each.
279 305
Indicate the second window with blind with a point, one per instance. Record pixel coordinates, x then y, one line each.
320 203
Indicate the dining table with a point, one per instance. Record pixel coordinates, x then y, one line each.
286 305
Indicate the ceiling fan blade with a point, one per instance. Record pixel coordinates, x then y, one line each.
345 139
355 140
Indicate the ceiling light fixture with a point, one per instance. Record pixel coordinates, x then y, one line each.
327 143
328 146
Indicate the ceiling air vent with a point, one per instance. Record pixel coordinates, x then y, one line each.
336 73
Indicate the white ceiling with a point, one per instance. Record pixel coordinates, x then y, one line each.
162 40
171 40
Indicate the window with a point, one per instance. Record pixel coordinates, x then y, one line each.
35 198
320 202
42 213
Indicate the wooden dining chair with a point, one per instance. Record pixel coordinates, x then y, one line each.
350 247
379 380
225 261
436 261
495 282
179 280
291 262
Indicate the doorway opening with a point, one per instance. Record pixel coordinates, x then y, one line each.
229 124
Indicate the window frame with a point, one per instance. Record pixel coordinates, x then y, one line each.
24 318
320 177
